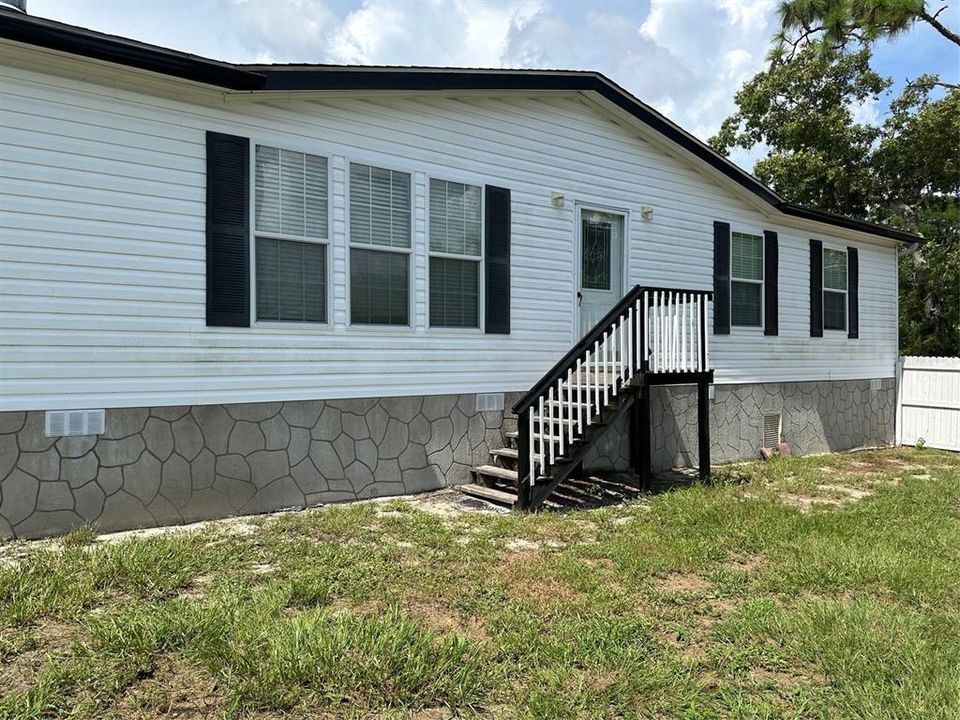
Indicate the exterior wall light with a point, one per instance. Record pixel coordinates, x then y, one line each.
557 199
646 213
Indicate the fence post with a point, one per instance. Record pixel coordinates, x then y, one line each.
898 412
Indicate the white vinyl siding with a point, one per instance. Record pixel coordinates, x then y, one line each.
290 234
103 247
455 254
746 280
380 219
834 289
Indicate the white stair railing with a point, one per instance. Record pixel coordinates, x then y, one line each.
651 330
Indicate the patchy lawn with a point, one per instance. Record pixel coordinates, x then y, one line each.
825 587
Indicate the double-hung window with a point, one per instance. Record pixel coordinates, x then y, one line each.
455 254
290 209
746 280
834 289
379 246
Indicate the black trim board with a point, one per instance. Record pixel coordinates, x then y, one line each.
110 48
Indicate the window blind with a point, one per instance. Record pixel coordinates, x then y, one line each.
834 289
379 206
291 280
746 279
291 193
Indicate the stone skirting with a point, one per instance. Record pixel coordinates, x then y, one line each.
171 465
822 416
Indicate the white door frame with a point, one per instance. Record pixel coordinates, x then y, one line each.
579 207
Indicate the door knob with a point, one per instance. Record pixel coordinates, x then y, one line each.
579 298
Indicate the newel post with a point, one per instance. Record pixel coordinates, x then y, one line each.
703 429
524 490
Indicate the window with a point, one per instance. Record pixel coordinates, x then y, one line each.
380 246
455 254
834 289
746 280
595 257
290 211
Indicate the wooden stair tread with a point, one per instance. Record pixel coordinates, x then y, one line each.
511 434
511 453
494 471
488 493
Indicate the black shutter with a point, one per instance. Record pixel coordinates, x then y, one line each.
228 230
497 260
816 288
853 293
721 278
771 270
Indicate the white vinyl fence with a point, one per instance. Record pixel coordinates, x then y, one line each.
928 402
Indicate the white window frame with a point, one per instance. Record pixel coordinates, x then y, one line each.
824 289
326 154
481 280
408 251
753 232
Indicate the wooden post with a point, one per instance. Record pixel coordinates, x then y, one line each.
524 491
703 428
640 437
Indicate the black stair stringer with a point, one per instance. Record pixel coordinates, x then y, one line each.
560 471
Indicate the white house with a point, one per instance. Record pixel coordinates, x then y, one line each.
253 287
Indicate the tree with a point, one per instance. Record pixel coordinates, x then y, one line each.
904 172
838 24
803 113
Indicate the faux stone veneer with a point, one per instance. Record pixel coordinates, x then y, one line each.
822 416
170 465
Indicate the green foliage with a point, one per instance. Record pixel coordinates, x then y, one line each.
904 172
838 25
714 601
803 113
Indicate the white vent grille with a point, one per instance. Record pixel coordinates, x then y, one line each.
67 423
876 384
771 430
489 402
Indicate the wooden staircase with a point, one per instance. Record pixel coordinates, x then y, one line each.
652 336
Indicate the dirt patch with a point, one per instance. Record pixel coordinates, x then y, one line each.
749 563
687 583
172 688
854 494
445 621
19 669
521 571
796 677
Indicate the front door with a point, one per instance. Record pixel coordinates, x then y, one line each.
601 270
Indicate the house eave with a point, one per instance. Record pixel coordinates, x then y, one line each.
279 79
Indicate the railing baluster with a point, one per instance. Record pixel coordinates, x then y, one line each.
532 445
596 375
705 333
570 408
612 377
543 441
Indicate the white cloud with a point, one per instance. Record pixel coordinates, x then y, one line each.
684 57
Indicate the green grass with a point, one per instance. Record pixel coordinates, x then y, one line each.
825 587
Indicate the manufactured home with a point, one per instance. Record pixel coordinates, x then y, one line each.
231 289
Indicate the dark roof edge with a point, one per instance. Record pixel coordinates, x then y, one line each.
808 213
123 51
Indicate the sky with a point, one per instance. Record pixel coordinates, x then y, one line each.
686 58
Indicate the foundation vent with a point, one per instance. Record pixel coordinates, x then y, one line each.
772 426
67 423
876 384
489 402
